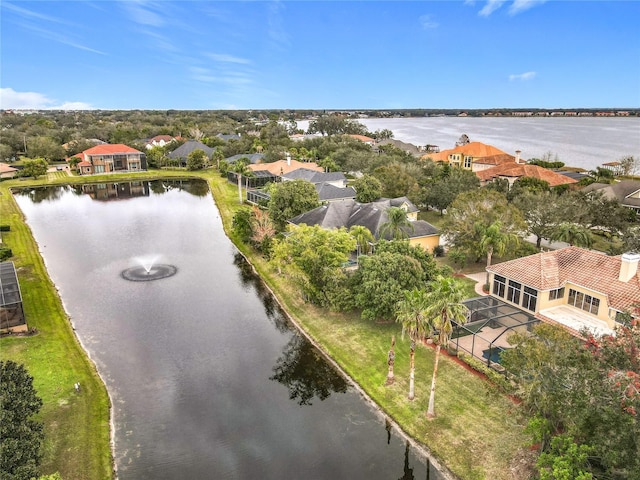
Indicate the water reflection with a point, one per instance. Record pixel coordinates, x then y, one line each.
305 373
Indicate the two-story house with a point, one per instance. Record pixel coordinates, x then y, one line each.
109 158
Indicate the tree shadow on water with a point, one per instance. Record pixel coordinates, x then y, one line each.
306 373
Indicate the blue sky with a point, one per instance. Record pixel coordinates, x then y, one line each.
320 54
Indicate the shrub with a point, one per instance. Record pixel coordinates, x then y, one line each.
438 251
5 253
5 228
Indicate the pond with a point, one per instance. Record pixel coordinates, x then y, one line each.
207 377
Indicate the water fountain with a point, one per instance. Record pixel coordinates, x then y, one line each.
148 270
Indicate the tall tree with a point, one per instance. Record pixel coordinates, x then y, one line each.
240 168
409 313
538 210
364 238
397 225
291 198
35 168
476 208
21 436
443 307
573 234
494 239
368 188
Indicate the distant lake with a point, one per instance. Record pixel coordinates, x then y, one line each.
584 142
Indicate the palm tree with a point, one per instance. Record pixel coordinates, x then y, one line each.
396 223
495 240
443 306
240 168
573 234
363 237
391 358
409 313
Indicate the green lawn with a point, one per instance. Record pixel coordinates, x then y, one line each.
478 432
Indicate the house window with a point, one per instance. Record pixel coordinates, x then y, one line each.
513 292
467 162
99 168
556 294
529 298
583 301
499 284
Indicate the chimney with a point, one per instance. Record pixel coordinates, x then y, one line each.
628 266
518 156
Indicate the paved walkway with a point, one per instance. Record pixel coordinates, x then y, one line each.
480 278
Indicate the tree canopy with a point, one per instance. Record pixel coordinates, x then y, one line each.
289 199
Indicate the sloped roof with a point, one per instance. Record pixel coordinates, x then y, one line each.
282 167
524 170
477 150
6 168
314 176
253 157
326 192
363 138
349 213
620 191
159 138
189 146
587 268
110 149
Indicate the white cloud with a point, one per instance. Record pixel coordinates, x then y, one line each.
490 7
140 12
522 76
428 22
223 57
521 5
31 14
10 99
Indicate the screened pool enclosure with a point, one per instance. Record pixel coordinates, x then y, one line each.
11 311
491 322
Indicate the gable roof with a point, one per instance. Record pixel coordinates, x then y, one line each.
363 138
587 268
6 168
159 138
518 170
282 167
370 215
183 151
109 149
627 192
314 176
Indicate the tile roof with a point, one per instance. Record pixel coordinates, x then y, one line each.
5 168
524 170
327 192
282 167
110 149
363 138
477 150
159 138
348 213
587 268
253 157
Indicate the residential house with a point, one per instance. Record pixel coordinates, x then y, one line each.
627 192
7 171
231 136
331 186
613 167
572 287
513 171
110 158
159 141
182 152
252 157
372 216
474 156
282 167
364 139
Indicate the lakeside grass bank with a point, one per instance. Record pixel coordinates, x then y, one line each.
478 431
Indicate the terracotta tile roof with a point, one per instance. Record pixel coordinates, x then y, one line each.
5 168
282 167
523 170
477 150
110 149
159 138
495 159
363 138
587 268
84 164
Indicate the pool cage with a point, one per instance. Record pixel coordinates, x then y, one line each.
491 322
11 311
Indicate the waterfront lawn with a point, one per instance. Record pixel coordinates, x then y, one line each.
77 442
478 431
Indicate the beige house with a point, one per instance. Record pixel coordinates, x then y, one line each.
111 158
474 156
572 287
7 171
